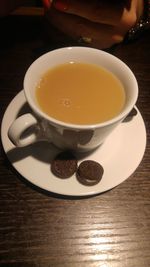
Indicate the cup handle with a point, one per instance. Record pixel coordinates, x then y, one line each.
24 130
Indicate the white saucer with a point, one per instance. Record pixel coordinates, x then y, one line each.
120 155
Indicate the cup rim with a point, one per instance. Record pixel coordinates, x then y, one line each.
54 121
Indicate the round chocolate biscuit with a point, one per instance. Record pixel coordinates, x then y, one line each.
64 165
89 172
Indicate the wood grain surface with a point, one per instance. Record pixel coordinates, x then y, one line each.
42 229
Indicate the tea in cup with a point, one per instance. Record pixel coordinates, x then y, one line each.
80 93
77 95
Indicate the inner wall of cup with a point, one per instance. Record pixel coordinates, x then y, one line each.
78 54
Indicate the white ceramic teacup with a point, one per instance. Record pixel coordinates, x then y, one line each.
37 126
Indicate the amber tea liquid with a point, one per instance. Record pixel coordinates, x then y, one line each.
80 93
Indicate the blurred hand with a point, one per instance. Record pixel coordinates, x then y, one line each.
99 23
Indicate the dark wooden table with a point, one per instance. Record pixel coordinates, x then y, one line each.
40 229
